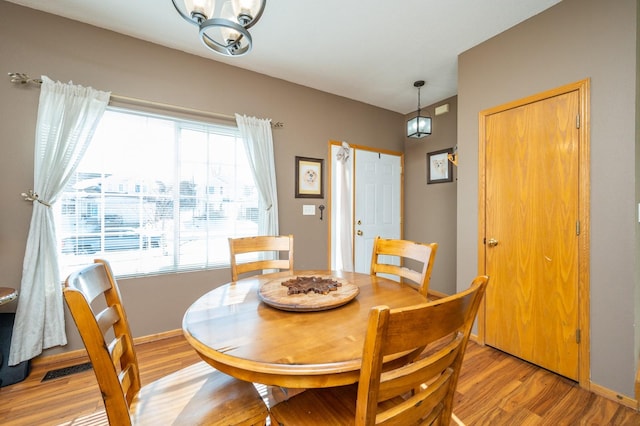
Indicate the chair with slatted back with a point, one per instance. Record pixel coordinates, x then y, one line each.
419 256
250 254
420 392
198 394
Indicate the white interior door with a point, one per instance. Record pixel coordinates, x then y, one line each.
377 200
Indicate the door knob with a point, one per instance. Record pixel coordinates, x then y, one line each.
492 242
359 232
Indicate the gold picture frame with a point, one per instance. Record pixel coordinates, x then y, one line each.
309 177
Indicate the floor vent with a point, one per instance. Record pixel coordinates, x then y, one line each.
61 372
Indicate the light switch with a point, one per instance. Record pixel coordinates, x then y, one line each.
309 210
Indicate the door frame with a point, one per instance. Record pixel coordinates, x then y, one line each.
330 177
583 89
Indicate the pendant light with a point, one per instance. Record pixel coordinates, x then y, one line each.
419 126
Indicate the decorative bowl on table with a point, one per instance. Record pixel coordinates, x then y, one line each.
307 293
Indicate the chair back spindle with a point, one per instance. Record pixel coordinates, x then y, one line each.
415 261
267 248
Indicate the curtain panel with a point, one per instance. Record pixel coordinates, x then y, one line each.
258 142
67 118
344 248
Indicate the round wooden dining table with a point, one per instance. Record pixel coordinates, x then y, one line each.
234 330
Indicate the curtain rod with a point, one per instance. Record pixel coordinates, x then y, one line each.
21 78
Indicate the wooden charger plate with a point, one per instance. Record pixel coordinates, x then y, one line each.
274 294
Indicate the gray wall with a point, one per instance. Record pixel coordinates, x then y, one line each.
574 40
637 178
429 209
39 43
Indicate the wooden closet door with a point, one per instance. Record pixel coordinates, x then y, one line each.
532 227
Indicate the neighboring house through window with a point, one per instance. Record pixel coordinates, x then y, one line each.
157 194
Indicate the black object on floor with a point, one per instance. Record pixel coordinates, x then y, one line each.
16 373
65 371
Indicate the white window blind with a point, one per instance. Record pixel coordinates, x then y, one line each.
156 194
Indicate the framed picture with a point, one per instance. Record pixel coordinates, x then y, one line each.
439 168
309 177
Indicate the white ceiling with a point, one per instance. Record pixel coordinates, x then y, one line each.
371 51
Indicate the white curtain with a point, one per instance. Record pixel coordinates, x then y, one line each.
258 143
344 247
67 118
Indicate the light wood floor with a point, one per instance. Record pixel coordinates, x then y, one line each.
494 389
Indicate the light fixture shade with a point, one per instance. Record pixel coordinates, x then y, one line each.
248 11
205 8
419 127
229 34
225 37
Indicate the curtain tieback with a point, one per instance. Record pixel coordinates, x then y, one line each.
32 196
343 153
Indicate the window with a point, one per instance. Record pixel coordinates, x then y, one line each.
155 194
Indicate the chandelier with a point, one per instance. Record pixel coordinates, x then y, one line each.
419 126
225 29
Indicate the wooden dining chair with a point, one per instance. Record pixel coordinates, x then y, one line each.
198 394
416 261
420 392
243 252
